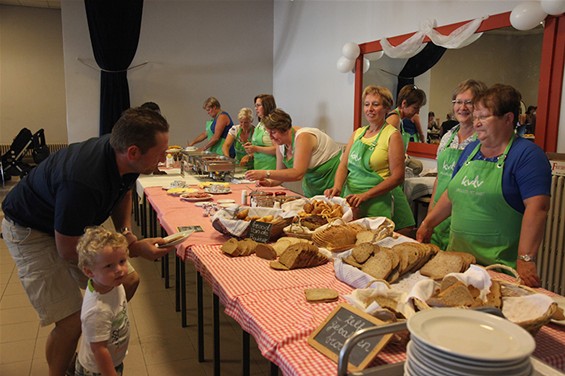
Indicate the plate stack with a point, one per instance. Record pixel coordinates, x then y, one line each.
462 342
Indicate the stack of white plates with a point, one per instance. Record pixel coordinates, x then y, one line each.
461 342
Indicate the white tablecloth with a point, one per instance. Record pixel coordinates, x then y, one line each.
146 181
417 187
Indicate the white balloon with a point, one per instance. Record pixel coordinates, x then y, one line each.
366 65
527 15
344 64
351 50
553 7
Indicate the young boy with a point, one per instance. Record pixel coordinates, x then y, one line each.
102 256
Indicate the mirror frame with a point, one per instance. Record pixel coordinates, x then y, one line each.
550 81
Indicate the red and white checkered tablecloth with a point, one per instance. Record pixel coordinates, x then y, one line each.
270 305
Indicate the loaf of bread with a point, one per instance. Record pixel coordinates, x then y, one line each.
300 255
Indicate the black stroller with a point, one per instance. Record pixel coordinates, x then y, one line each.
12 163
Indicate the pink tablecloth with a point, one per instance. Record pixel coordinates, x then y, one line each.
270 305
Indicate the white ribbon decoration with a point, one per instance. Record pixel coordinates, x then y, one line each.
405 50
460 37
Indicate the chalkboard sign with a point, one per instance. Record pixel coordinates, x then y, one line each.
341 324
260 231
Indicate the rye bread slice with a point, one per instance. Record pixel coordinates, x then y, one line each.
265 251
321 295
442 264
379 266
231 247
456 295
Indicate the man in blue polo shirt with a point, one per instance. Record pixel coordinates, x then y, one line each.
47 212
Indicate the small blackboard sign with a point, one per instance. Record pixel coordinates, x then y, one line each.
341 324
260 231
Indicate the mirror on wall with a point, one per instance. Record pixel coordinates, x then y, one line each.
515 54
523 59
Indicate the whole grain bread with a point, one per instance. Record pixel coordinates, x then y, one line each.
442 264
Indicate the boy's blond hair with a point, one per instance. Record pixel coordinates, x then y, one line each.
94 240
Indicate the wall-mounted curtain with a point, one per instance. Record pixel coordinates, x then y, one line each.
419 64
114 27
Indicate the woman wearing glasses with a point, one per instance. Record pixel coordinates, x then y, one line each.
451 146
216 129
498 197
409 101
306 154
261 148
238 136
372 166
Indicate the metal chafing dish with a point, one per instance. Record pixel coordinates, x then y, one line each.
217 167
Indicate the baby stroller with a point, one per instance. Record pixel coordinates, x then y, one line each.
12 164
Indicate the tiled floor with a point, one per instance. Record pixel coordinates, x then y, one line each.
158 346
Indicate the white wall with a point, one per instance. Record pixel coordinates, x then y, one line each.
194 49
309 36
230 49
32 80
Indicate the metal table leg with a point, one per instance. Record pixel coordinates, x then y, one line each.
216 307
200 310
245 349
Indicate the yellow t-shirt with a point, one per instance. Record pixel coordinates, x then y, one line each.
379 158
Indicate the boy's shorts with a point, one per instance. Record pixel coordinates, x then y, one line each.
51 283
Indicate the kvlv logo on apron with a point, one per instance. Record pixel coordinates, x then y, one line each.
482 222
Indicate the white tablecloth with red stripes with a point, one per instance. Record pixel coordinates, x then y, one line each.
270 305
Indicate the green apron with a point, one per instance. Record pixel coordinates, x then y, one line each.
402 215
317 179
262 161
446 161
482 222
217 147
240 150
361 178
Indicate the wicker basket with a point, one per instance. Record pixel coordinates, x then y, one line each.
295 230
276 229
532 326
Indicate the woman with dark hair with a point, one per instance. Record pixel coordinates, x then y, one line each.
216 129
261 147
408 103
306 154
498 197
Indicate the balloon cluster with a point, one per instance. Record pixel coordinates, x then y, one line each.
350 52
529 14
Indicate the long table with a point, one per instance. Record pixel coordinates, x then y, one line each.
270 304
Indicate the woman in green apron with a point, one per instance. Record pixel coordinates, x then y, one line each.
239 135
499 196
261 147
372 167
409 101
216 129
306 154
451 146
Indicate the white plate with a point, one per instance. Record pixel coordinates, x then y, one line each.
560 300
471 334
186 197
174 239
211 191
226 201
229 205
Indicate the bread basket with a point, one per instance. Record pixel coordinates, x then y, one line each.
534 325
296 230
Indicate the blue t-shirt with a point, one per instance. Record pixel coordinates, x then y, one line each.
527 172
409 126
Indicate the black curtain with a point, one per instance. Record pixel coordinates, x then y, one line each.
419 64
114 27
